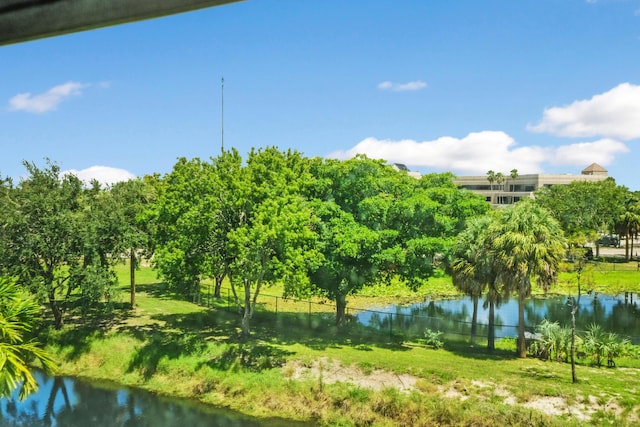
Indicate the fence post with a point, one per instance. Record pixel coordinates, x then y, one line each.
309 313
390 326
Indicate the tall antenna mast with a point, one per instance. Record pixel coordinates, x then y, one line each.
222 83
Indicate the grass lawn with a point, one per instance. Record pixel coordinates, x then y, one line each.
297 369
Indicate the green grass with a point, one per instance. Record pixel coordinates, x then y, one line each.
174 347
604 277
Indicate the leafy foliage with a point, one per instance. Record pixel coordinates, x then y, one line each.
433 339
55 238
584 207
17 317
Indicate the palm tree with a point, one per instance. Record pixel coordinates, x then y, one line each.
491 177
472 267
628 224
528 242
514 175
17 316
500 180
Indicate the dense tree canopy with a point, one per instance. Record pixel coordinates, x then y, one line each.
314 225
54 238
281 216
584 207
378 223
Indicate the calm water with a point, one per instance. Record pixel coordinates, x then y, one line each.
453 316
67 402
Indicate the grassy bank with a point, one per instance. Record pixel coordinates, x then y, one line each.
316 372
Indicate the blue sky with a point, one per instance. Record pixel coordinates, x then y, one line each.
545 86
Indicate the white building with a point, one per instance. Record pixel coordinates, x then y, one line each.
513 189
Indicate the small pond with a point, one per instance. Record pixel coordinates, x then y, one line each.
69 402
619 314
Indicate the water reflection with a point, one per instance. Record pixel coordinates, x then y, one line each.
66 402
620 314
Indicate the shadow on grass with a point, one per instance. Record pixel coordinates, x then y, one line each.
478 352
250 356
177 335
84 325
160 290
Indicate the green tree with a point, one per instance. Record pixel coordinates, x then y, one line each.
128 201
578 256
491 177
378 224
17 351
181 219
500 178
628 223
528 243
348 249
49 241
473 269
583 207
276 238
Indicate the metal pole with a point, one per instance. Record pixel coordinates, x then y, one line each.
222 122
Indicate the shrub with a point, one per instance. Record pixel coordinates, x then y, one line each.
432 339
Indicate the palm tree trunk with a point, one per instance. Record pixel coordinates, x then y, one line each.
474 320
491 339
522 345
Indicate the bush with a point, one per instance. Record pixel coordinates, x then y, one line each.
432 339
600 344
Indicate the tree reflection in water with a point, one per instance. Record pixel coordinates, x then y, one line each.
617 314
65 402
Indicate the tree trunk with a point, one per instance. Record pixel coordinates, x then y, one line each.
55 309
491 339
341 305
246 316
474 320
574 377
522 344
574 310
132 276
218 287
627 255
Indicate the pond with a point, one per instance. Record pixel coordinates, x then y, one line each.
69 402
619 314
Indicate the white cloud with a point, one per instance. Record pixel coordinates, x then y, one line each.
105 175
613 114
479 152
402 87
602 152
46 101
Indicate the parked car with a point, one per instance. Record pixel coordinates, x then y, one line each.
609 240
